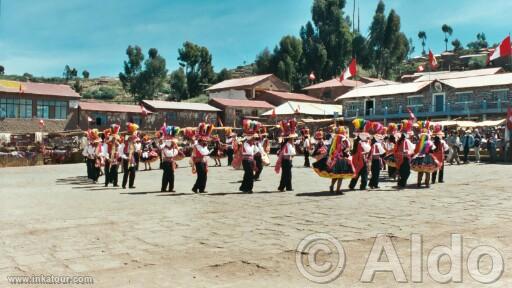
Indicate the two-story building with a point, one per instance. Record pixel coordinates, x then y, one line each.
475 97
246 88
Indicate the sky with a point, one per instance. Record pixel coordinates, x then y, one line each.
42 36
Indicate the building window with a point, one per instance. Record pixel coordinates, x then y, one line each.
415 101
354 106
51 109
99 119
15 107
464 97
500 95
254 113
386 103
327 94
171 116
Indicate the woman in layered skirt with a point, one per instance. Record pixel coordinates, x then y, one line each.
334 162
424 162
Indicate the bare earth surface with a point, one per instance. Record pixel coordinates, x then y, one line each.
53 221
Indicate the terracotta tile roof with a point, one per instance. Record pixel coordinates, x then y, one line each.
334 83
110 107
241 103
170 105
240 82
293 96
32 88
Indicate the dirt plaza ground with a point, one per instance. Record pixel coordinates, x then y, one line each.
55 222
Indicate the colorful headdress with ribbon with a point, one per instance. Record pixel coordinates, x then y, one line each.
406 127
169 132
424 126
392 128
288 128
93 135
132 130
250 127
362 128
204 131
438 130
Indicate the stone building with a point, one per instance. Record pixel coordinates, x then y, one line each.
182 114
246 88
233 111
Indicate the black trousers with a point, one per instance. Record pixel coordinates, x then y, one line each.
106 169
374 181
248 181
200 184
90 167
441 174
259 165
466 153
405 172
306 158
286 175
95 170
129 172
229 153
364 179
168 176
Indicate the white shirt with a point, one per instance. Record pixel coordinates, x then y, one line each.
120 149
377 149
91 152
290 150
258 148
104 151
307 143
249 149
229 142
202 150
168 152
138 146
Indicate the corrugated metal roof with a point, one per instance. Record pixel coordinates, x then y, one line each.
480 81
293 96
393 89
292 107
240 82
169 105
110 107
334 83
458 74
32 88
242 103
380 83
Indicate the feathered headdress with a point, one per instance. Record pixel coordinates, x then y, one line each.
288 128
424 126
362 128
204 131
392 128
250 127
359 124
93 135
189 133
132 130
340 130
406 127
169 132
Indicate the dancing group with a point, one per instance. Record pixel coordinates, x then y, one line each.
374 148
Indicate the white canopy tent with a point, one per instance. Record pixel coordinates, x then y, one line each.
305 108
472 124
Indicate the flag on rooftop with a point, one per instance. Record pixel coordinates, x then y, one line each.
350 71
503 50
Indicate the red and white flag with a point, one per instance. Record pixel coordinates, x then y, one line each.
432 60
503 50
350 71
420 68
145 111
312 76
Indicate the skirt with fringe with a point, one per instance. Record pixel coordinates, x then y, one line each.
425 163
342 169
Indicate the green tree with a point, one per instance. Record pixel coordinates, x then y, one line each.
224 74
314 53
132 70
85 74
480 43
334 34
197 62
2 70
457 46
376 37
288 60
77 86
423 37
263 63
178 83
102 93
152 78
448 31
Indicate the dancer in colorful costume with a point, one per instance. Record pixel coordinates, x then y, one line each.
111 154
404 149
286 154
360 152
423 162
376 154
440 149
248 150
200 154
130 156
170 154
